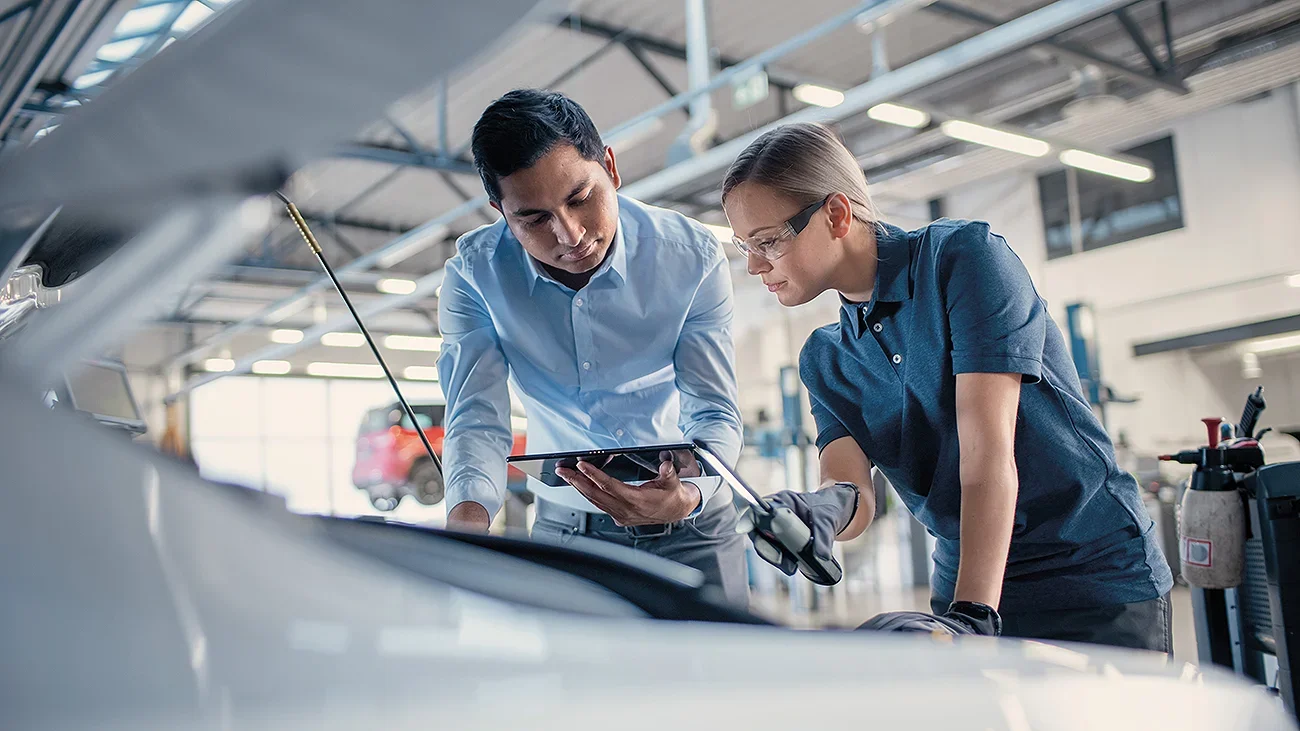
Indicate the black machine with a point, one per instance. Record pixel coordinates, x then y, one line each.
1251 625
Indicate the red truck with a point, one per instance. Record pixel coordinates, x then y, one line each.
391 460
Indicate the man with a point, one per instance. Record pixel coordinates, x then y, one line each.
612 320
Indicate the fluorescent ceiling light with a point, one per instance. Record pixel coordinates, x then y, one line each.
286 337
143 20
345 370
899 115
989 137
119 51
1274 345
419 241
413 342
421 373
519 423
396 286
192 18
721 233
818 96
1107 166
218 365
85 81
1293 281
438 292
343 340
272 367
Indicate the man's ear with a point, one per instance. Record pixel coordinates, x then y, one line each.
611 167
497 206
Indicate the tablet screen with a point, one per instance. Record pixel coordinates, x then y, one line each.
630 465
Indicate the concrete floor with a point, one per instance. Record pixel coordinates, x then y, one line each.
876 580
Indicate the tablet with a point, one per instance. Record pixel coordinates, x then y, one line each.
625 464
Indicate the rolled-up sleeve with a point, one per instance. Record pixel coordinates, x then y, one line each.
473 372
997 321
704 362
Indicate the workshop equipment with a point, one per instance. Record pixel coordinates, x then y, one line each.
1240 538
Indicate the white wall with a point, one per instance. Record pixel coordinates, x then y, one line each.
1239 176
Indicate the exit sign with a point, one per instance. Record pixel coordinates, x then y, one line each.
749 90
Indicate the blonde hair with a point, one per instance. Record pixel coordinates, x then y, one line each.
806 162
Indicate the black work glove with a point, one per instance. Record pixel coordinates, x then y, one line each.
826 512
980 618
916 622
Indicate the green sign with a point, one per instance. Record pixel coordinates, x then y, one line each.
749 90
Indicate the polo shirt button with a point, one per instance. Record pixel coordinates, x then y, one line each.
618 433
586 366
578 302
897 359
877 327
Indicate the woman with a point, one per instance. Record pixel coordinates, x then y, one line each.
946 372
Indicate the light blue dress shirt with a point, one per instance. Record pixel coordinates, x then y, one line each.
641 355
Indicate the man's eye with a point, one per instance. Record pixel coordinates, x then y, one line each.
537 221
581 201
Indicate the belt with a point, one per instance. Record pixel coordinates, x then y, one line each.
583 523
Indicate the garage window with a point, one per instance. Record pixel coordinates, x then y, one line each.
1083 211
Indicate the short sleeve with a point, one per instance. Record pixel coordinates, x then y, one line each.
997 321
829 427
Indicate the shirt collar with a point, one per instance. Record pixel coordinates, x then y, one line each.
893 273
615 263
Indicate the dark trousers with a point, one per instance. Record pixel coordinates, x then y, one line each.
1140 625
708 542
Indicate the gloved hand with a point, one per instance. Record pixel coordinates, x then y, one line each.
962 618
980 618
826 513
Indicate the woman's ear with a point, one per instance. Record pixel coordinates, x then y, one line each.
840 212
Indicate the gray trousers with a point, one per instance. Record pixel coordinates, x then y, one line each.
708 542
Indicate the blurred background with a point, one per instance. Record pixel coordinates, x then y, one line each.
1142 160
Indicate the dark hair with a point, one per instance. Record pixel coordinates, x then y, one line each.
516 130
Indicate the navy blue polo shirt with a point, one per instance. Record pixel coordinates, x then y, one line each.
954 298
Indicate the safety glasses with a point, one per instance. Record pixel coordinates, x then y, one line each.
775 246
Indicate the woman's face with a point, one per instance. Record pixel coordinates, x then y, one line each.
804 265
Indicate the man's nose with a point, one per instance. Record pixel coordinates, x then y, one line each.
568 230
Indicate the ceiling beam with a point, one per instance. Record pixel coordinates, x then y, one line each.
1066 51
582 24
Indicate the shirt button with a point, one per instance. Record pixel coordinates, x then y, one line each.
897 359
586 366
877 327
578 302
618 433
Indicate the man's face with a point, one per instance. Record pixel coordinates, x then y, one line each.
563 209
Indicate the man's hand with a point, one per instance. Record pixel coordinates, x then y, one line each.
469 517
665 499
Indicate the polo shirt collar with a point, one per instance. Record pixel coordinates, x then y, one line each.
893 274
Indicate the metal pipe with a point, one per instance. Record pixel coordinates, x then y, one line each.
864 12
1012 36
699 129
